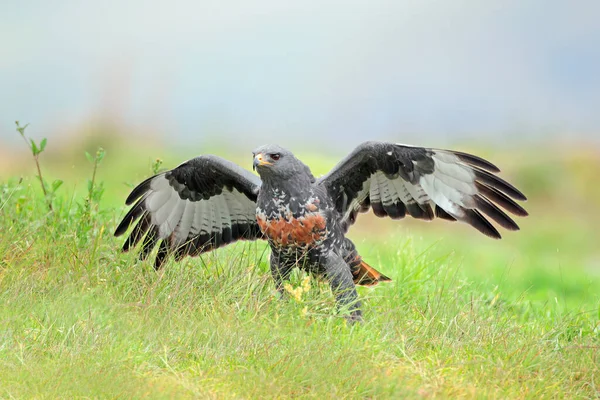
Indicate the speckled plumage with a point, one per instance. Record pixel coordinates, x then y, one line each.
208 202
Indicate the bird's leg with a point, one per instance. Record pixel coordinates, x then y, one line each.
339 276
281 271
351 256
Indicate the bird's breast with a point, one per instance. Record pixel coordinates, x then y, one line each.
305 228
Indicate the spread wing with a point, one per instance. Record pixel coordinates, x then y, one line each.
396 180
204 203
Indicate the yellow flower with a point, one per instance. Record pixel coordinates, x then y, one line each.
296 293
306 284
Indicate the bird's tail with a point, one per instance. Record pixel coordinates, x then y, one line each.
365 275
362 273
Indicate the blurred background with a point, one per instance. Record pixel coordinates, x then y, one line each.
514 81
259 71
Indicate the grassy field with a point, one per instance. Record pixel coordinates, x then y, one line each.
465 316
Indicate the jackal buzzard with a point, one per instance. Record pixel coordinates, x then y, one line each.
208 202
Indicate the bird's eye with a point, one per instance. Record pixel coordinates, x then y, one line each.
275 156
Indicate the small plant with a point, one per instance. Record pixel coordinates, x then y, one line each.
95 189
37 149
156 166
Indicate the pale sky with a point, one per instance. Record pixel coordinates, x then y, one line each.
263 71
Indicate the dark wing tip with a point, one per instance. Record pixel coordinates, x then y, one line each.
495 213
134 213
523 197
122 228
476 161
519 195
161 256
494 234
441 213
483 168
496 196
139 190
479 222
498 183
137 233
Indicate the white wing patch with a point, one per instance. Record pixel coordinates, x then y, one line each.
450 186
182 219
184 227
172 220
160 215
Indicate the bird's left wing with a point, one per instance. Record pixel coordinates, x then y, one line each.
204 203
396 180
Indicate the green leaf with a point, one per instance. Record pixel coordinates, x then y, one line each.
34 149
100 154
21 129
43 144
56 184
89 157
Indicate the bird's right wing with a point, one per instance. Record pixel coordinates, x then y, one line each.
204 203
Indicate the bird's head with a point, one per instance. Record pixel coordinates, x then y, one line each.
274 161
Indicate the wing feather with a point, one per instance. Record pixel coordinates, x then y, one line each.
204 203
396 179
183 229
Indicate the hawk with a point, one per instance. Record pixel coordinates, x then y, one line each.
208 202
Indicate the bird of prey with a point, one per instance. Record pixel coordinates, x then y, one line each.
208 202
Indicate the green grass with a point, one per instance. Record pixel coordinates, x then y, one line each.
464 317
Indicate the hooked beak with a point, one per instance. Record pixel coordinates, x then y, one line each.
259 159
